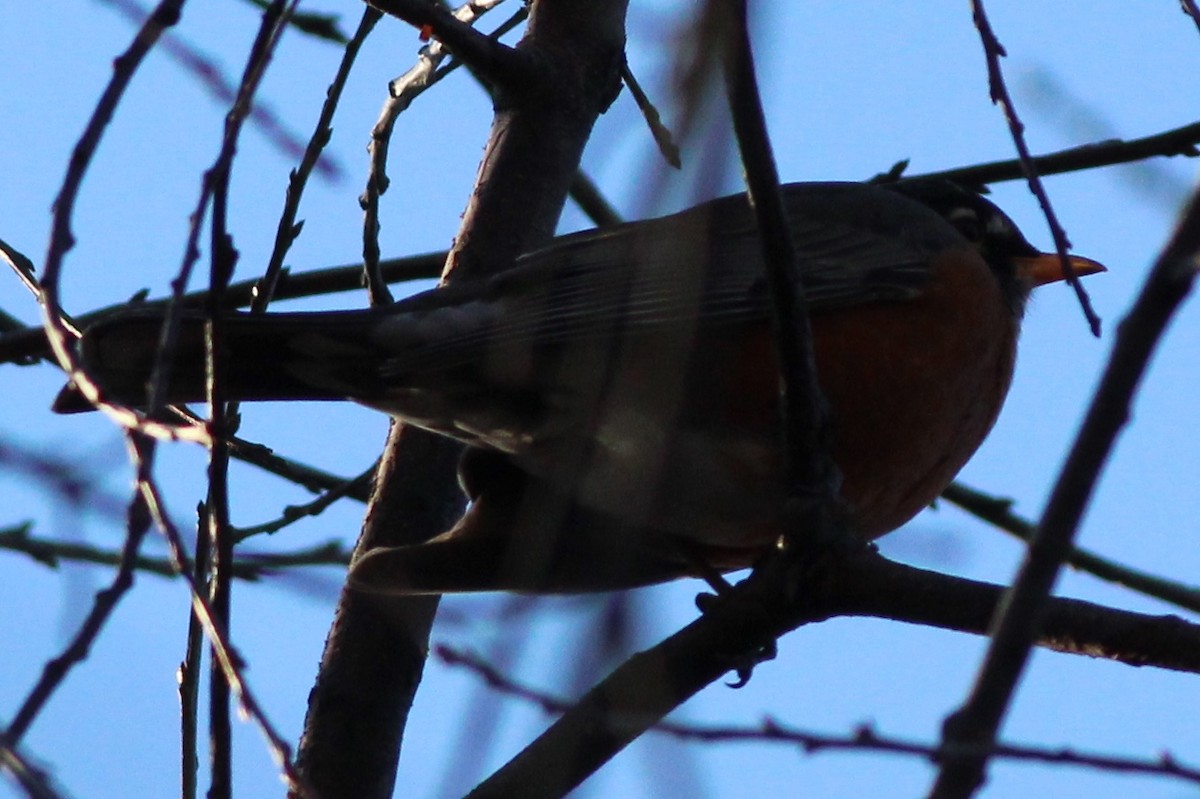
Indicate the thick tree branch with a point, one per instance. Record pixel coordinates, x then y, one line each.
375 652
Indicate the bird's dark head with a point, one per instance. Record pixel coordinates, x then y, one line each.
1019 266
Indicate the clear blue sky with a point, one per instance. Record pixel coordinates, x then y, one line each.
851 88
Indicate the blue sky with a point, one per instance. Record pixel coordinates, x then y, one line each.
850 89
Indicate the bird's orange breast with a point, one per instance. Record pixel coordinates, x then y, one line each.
914 388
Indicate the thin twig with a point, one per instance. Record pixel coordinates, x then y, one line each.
227 657
191 668
357 486
864 739
994 51
1192 10
250 567
208 73
60 336
222 420
402 91
59 332
499 62
660 132
1179 141
288 229
56 669
998 512
26 343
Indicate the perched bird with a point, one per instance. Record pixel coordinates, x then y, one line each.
619 390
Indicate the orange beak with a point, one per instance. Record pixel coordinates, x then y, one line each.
1046 267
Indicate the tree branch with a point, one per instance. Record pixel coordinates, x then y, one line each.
997 512
864 739
653 683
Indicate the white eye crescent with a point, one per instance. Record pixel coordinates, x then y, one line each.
968 223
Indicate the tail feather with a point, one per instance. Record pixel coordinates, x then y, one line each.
264 357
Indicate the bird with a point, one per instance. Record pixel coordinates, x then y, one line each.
618 390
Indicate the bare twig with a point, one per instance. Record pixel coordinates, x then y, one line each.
998 511
56 670
61 335
224 653
288 229
1170 143
209 74
994 51
401 93
190 671
356 486
660 132
250 567
864 739
222 422
25 343
1192 10
59 332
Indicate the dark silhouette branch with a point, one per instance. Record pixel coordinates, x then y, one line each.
1170 143
56 670
813 504
251 567
864 739
993 52
998 512
638 694
288 229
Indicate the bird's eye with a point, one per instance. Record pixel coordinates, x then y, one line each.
969 225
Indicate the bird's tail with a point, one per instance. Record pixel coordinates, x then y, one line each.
290 356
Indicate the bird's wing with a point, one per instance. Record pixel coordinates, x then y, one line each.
700 269
703 267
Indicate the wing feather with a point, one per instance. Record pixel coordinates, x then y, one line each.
701 267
